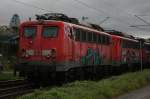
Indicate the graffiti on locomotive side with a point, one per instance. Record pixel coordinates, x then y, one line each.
129 56
92 57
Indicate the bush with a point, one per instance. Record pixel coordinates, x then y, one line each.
103 89
8 75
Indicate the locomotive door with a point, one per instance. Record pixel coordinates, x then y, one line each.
73 44
116 50
76 45
32 41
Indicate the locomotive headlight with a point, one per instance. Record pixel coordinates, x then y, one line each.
30 52
46 53
49 53
27 53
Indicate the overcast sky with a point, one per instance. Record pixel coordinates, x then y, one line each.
121 13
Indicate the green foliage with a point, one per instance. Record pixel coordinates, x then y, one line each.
8 62
8 75
103 89
7 66
4 30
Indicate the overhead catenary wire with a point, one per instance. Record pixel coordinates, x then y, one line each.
40 8
88 6
142 19
98 10
101 11
133 15
31 5
83 3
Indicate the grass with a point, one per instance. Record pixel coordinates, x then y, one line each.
103 89
8 75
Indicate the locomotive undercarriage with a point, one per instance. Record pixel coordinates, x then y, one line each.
93 72
46 74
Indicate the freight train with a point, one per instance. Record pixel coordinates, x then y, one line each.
57 47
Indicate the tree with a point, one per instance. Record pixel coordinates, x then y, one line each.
14 23
148 39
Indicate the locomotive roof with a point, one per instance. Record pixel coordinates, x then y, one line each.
79 26
71 24
125 38
87 28
122 37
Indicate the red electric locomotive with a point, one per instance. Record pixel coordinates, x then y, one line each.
49 47
125 51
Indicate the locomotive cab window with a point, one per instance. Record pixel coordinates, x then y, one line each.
77 34
29 32
50 31
99 38
89 36
94 37
103 39
83 35
107 40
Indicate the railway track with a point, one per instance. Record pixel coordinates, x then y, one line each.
13 88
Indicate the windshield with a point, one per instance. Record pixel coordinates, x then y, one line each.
50 31
29 31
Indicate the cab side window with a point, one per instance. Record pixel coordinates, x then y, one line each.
50 31
29 32
77 34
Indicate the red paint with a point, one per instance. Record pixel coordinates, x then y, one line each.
67 49
116 48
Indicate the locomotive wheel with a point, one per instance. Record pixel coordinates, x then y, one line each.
88 73
21 73
69 76
116 70
80 74
51 78
130 67
99 73
124 68
60 78
106 71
